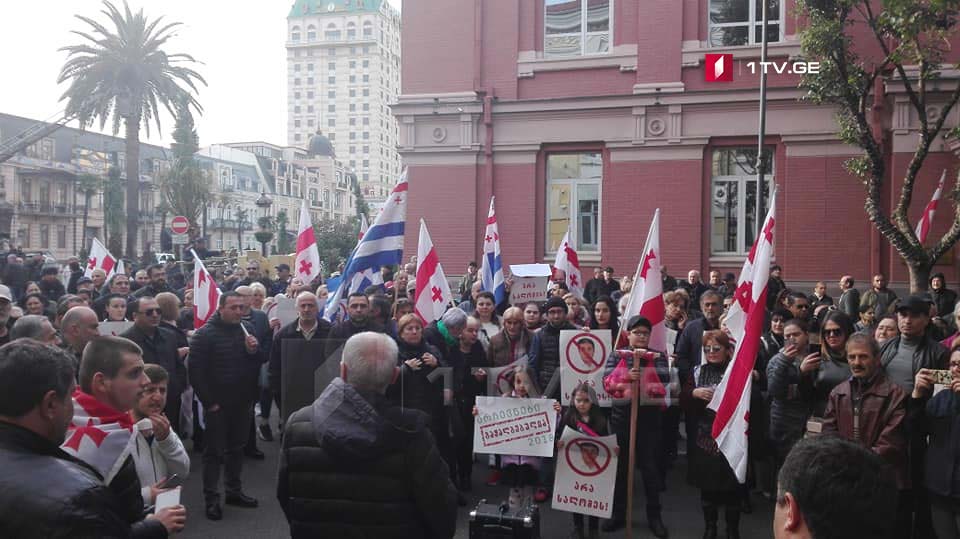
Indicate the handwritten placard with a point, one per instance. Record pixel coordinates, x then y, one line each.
586 474
510 426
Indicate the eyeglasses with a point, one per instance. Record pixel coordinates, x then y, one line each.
833 332
640 333
715 348
151 312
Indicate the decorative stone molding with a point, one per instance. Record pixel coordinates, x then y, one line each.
439 134
901 114
640 125
623 57
676 125
654 88
693 52
656 126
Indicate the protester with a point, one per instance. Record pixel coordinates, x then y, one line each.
359 451
358 321
224 365
943 298
36 407
882 299
826 369
262 331
775 285
157 274
279 286
689 348
78 327
948 342
675 309
467 281
870 409
34 327
649 368
819 295
159 347
115 308
159 454
485 313
867 320
473 384
789 409
545 347
532 316
50 285
258 296
849 301
832 488
308 326
513 344
887 329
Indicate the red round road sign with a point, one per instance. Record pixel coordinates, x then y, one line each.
179 225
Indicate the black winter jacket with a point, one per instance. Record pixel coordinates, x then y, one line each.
45 492
354 466
344 330
942 423
288 332
545 349
221 371
414 389
789 409
162 350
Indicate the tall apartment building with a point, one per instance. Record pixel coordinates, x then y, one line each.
343 73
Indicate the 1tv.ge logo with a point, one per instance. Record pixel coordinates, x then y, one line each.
719 67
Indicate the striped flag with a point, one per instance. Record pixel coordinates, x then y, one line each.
926 221
381 245
731 400
491 268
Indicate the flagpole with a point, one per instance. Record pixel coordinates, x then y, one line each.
632 460
763 116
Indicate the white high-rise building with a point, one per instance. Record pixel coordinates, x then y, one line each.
343 73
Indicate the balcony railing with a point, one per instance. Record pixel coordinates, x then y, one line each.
229 224
48 208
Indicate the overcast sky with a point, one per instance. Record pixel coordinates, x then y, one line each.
240 42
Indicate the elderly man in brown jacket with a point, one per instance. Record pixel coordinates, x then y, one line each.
870 410
512 343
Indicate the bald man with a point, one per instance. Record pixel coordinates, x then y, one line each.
78 327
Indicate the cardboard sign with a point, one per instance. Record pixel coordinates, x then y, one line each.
114 329
507 426
529 283
586 474
584 356
500 379
283 308
303 364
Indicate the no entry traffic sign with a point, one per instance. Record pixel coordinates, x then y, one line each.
179 225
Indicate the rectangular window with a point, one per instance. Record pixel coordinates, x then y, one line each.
309 122
331 122
332 66
309 108
296 82
296 123
353 64
331 80
573 200
740 22
734 211
366 106
23 236
296 67
353 79
309 81
353 92
331 108
61 237
296 95
309 67
576 27
44 236
332 94
296 109
353 121
310 94
331 51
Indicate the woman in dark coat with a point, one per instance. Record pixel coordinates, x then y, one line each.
709 470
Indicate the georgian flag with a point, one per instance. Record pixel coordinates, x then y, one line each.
307 263
99 435
363 226
731 400
568 262
100 258
206 293
433 291
926 221
646 296
491 268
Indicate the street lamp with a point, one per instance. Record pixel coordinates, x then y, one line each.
265 234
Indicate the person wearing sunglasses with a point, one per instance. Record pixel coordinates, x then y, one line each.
708 468
826 370
159 347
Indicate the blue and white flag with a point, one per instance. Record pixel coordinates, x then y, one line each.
381 245
491 268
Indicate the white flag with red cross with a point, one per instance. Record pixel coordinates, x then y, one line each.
433 291
731 399
307 263
646 296
100 258
926 220
568 262
364 226
206 293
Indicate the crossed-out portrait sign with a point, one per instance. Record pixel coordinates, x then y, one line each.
584 356
586 474
508 426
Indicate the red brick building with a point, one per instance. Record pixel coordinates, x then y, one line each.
592 113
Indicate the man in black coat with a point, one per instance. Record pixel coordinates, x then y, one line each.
546 346
849 301
359 320
308 326
158 282
159 347
224 366
355 452
36 387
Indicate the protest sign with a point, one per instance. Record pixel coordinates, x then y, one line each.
586 474
508 426
284 309
584 356
500 379
114 328
529 283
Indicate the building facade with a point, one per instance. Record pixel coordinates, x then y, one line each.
588 115
343 73
42 207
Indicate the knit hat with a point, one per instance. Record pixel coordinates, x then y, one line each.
555 302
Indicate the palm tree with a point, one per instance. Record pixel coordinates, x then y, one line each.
124 73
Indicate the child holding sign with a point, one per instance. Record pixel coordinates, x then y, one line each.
585 416
521 472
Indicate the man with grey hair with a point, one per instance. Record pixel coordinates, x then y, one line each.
36 327
445 333
78 327
358 450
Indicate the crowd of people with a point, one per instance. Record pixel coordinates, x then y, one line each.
392 436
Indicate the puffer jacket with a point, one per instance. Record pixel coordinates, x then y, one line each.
45 492
221 371
788 409
354 466
545 349
881 413
503 350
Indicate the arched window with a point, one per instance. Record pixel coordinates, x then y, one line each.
331 33
313 195
351 30
295 33
311 33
